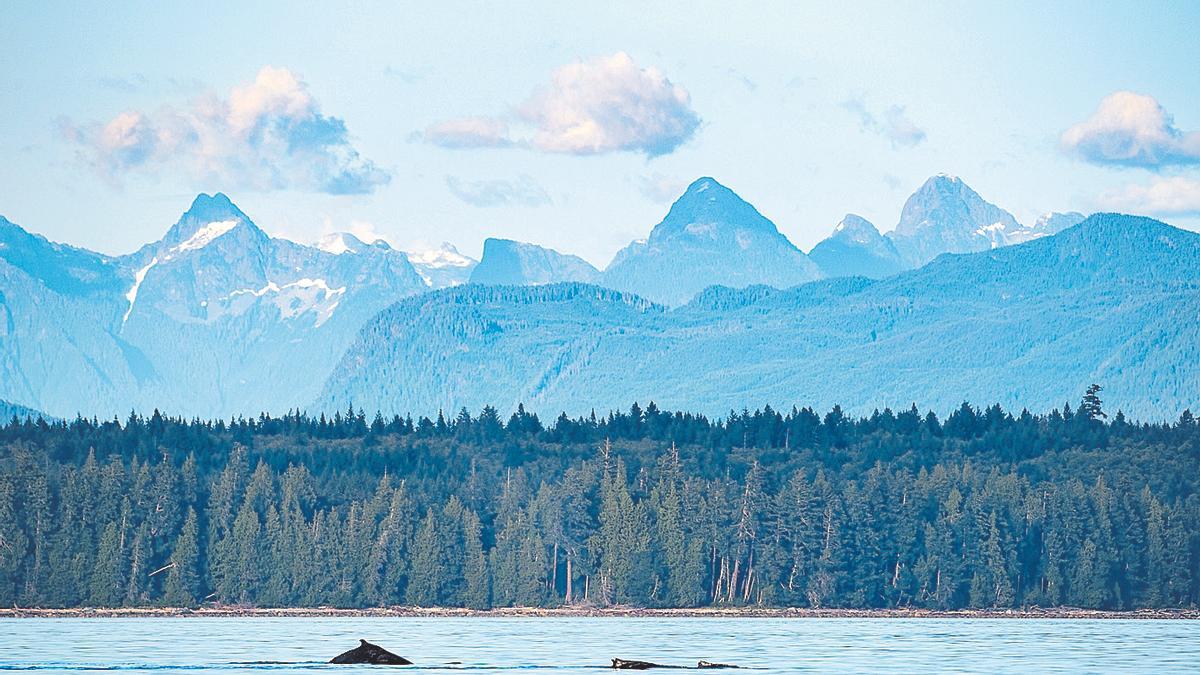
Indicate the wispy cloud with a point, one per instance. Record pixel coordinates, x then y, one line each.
608 104
522 191
659 188
893 123
1130 129
1174 196
268 134
469 132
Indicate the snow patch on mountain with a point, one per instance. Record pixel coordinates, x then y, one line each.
291 299
131 296
339 243
442 266
206 235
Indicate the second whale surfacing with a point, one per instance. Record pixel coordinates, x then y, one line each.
366 652
626 664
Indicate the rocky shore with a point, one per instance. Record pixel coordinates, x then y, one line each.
619 611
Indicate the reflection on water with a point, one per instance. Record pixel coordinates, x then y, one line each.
586 645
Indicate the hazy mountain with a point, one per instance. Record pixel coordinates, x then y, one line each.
443 266
216 318
1112 300
1053 223
856 248
947 216
515 263
710 236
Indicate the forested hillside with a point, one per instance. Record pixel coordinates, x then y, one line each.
981 509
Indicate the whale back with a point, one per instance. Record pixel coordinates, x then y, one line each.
366 652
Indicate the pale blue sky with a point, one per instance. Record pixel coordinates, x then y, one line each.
807 110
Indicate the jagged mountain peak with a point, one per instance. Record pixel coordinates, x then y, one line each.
944 194
945 215
217 206
708 209
206 212
856 248
709 236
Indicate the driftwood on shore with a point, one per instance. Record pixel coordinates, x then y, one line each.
213 610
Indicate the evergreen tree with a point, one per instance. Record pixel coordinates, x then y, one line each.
1091 407
182 587
425 583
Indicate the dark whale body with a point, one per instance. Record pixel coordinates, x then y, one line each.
622 664
366 652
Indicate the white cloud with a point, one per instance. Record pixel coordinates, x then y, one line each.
469 132
1175 196
523 191
1130 129
608 104
895 125
268 134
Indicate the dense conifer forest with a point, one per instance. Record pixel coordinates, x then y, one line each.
984 508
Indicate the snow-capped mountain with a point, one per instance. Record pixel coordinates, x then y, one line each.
947 216
856 248
508 262
710 236
443 266
216 318
338 243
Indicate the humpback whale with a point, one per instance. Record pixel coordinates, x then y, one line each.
622 664
366 652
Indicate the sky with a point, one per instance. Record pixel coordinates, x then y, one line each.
575 125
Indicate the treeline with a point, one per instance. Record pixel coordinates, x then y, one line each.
645 507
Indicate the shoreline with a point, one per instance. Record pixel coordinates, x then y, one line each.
230 611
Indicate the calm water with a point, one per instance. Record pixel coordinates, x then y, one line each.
569 646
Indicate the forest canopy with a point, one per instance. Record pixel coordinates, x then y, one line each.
984 508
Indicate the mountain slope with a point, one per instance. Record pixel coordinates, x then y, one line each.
508 262
856 249
709 237
1112 300
11 410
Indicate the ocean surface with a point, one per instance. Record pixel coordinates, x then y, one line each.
566 646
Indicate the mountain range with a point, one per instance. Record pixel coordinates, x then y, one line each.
1112 300
217 318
